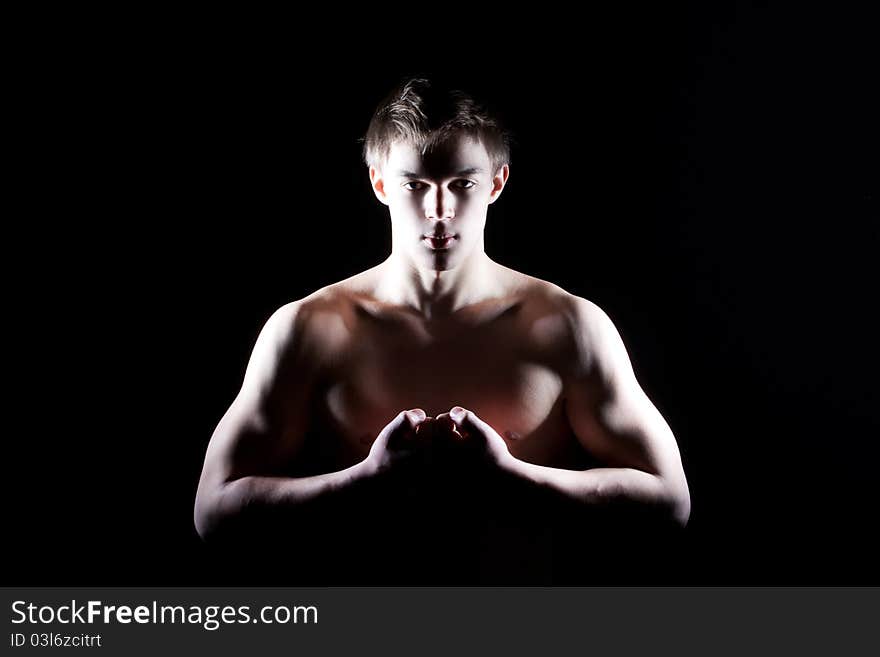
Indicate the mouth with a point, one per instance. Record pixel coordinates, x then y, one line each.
438 243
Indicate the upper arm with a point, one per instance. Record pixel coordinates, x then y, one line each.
265 426
609 412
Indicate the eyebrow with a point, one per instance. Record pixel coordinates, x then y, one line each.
463 172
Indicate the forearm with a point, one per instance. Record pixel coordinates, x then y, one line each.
605 487
271 497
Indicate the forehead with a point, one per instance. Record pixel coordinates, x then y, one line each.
456 154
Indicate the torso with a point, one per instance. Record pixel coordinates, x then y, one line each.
505 359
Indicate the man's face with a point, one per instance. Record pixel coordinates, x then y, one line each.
438 201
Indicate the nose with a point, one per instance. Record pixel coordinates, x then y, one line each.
439 204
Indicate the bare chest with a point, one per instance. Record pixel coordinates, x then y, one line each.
497 373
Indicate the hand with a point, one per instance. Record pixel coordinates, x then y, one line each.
472 433
397 442
435 434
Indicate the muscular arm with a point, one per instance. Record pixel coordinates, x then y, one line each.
263 431
613 419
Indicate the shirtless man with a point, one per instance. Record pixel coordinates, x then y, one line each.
438 345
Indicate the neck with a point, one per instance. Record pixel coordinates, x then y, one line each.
436 293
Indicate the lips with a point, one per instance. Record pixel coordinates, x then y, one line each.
438 243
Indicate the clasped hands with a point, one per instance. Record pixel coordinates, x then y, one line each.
453 437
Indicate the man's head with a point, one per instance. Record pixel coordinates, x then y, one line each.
437 159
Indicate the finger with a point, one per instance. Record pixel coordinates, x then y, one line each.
403 427
447 426
495 446
415 416
463 419
470 423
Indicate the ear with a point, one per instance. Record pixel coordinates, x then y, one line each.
498 183
377 182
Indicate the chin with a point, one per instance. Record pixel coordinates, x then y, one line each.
438 261
440 264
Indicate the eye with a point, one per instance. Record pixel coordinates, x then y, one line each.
464 184
417 186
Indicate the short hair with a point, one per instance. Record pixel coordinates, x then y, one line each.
426 114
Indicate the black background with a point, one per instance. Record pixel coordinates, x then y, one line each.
707 176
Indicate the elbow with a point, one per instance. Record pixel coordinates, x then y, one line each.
204 517
215 507
681 512
679 505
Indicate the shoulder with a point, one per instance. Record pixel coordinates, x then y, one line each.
546 298
313 326
584 335
295 346
597 351
325 321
